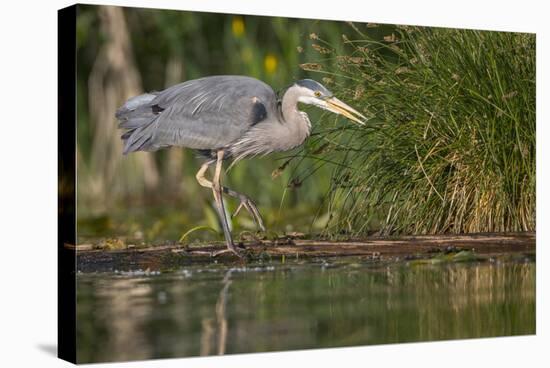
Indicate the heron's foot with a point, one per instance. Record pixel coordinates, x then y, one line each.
230 249
224 251
216 253
250 206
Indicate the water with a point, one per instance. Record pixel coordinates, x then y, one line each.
221 309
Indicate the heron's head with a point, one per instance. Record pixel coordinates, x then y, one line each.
314 93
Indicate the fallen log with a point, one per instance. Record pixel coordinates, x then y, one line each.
169 256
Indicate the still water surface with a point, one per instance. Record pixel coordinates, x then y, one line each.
221 309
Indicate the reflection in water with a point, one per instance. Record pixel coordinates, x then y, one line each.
220 314
208 331
216 310
127 335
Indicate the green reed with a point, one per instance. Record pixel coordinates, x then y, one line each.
450 141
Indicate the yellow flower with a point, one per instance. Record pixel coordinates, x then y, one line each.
270 63
237 26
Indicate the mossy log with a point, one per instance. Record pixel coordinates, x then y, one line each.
376 248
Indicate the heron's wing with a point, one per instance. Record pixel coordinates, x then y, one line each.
206 113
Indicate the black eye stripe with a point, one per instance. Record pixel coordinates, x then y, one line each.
314 87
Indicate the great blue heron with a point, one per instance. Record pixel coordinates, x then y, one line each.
225 117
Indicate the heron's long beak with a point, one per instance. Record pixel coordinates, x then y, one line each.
338 107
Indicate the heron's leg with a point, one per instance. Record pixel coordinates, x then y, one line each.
248 204
208 184
200 175
217 191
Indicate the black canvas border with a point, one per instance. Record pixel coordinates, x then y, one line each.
66 135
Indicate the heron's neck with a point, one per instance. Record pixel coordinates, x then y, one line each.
297 121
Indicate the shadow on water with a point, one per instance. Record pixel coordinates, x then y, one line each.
217 309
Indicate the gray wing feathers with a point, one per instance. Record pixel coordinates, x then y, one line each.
136 116
135 111
206 113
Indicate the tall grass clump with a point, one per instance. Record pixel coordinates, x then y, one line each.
450 143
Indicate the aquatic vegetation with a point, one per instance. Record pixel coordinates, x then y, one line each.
450 144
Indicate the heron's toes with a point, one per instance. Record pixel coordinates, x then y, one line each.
228 250
241 205
261 225
250 206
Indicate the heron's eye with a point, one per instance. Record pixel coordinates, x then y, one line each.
317 94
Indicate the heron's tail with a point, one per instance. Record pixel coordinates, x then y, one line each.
136 117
